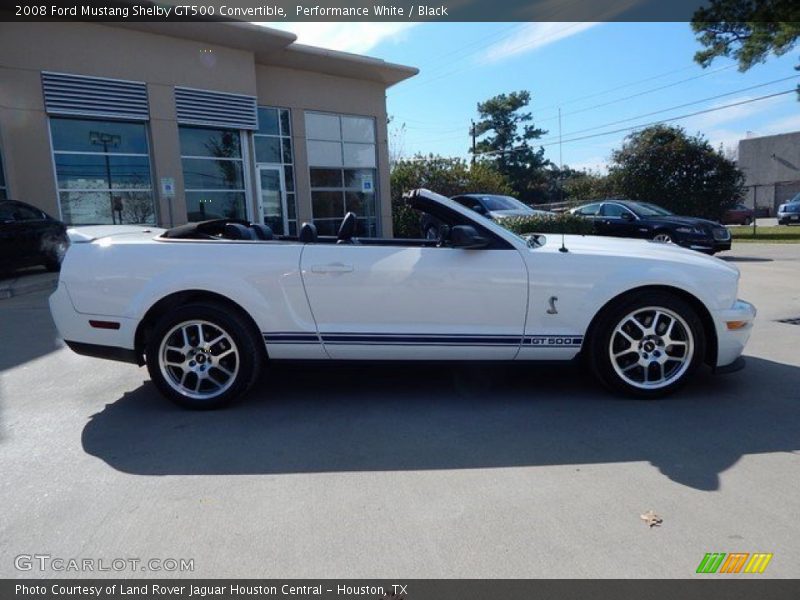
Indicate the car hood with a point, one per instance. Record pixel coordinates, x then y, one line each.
684 221
632 248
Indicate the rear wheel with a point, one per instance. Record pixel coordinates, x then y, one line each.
204 356
647 345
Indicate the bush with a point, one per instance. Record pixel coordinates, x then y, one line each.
405 221
558 223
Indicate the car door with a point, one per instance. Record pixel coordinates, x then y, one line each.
35 230
416 302
616 220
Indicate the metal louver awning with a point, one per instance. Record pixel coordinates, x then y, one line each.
215 109
79 95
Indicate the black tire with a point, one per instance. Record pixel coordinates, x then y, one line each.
250 353
600 346
748 221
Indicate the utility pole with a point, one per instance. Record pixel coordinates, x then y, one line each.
472 131
560 161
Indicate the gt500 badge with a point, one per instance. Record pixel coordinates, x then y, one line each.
553 341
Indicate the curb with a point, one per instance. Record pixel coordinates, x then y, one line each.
13 289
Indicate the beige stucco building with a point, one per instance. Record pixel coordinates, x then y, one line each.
173 122
771 165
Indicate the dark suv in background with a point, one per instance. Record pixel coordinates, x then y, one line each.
789 213
625 218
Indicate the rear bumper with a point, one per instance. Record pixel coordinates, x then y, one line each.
75 327
107 352
731 342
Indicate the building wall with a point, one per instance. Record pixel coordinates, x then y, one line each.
772 167
162 62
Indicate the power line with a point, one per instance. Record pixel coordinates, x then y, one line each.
641 125
663 110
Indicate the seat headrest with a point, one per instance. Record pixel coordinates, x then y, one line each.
237 231
308 233
263 232
348 227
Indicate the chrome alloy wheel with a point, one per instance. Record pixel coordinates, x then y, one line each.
664 238
651 347
198 359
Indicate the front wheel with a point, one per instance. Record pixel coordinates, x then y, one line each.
663 237
203 356
647 345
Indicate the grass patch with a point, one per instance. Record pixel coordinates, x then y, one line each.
776 234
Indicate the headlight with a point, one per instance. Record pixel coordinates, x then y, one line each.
693 230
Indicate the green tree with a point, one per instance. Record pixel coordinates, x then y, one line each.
507 133
685 174
581 186
446 176
746 30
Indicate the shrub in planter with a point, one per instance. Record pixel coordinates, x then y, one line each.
558 223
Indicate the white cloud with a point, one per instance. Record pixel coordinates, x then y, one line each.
345 37
533 36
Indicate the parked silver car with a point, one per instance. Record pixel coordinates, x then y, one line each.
789 213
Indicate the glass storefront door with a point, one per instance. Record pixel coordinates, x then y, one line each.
272 198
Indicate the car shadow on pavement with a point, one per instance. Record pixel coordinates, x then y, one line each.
746 259
308 419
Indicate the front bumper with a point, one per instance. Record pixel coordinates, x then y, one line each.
705 244
734 326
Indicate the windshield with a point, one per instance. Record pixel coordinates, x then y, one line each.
792 208
645 209
503 203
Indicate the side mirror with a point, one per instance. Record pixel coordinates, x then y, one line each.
626 216
467 237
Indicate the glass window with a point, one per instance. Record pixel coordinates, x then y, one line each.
342 157
323 127
23 212
113 137
589 210
268 121
210 143
358 129
614 210
273 146
213 173
103 171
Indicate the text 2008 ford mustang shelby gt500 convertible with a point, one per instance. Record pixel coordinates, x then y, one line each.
206 305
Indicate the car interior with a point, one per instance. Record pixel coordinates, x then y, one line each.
457 231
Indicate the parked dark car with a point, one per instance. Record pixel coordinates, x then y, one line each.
492 206
789 213
30 237
625 218
738 215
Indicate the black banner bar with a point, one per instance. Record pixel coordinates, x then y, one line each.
364 10
709 587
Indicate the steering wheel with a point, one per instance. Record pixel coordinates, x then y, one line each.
347 229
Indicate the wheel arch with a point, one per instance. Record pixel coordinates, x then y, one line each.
173 301
705 317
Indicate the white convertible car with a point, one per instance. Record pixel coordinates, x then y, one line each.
206 305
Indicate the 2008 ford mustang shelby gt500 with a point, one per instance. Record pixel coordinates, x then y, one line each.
205 305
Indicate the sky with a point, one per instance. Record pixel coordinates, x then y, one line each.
604 77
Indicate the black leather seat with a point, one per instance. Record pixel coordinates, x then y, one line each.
308 233
237 231
262 232
347 229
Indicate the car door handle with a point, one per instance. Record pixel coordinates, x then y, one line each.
332 268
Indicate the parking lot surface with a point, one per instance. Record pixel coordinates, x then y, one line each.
405 471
